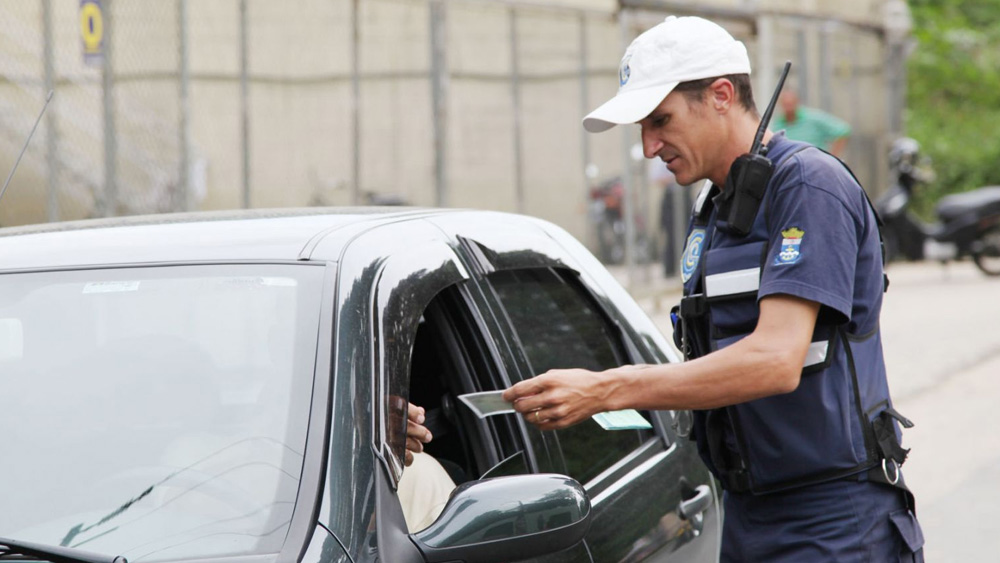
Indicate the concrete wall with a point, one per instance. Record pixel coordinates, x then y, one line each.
301 108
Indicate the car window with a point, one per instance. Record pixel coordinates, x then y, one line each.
559 326
451 357
156 412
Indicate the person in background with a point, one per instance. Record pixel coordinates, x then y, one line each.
810 125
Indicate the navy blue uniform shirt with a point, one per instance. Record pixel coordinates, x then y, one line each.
815 238
823 239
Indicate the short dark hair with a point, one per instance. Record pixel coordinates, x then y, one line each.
694 90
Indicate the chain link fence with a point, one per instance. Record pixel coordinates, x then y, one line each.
462 103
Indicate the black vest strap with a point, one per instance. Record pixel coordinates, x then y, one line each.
729 468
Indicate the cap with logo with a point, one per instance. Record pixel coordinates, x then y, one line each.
677 50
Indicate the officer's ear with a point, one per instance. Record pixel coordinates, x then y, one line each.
722 95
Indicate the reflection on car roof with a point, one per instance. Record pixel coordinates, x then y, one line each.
240 235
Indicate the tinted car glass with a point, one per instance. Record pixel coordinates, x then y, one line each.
559 327
160 413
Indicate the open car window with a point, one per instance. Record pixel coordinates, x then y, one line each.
451 357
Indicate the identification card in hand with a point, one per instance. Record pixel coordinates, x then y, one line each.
487 403
627 419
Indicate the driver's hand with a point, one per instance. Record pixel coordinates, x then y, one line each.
416 433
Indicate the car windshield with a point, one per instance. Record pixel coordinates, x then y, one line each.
157 413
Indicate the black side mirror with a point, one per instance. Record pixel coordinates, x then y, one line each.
507 519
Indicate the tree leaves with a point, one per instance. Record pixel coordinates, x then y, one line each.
953 93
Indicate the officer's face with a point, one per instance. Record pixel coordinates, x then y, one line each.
680 132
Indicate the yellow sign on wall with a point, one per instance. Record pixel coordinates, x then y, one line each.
92 32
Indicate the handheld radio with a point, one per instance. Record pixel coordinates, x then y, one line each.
48 99
750 172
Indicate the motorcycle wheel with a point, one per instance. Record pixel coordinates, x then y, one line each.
987 259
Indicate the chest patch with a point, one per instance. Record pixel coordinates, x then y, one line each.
791 246
692 253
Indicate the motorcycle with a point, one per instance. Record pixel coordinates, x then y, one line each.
968 223
606 211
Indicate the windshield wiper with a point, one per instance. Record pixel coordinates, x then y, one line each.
53 553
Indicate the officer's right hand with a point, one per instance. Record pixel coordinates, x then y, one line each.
559 398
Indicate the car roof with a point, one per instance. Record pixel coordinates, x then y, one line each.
243 235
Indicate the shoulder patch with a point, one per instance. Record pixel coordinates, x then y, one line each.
791 246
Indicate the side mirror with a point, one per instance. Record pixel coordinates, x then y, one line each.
507 519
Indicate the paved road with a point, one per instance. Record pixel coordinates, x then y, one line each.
941 333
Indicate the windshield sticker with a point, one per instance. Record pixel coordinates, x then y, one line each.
280 282
254 282
110 287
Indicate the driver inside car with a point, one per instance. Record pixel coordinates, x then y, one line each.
425 486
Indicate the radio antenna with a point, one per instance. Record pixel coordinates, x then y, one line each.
764 121
48 99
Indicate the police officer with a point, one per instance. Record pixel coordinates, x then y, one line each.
779 320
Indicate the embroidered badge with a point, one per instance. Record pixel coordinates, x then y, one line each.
692 253
624 72
791 246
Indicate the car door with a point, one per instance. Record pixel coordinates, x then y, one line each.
454 343
395 283
652 497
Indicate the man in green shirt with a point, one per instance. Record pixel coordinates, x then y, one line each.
810 125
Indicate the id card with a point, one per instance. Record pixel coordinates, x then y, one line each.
487 403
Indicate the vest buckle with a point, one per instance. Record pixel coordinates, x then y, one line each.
694 306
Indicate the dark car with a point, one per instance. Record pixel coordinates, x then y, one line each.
233 386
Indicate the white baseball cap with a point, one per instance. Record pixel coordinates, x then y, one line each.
675 51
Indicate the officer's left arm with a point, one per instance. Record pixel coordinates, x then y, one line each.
804 276
767 362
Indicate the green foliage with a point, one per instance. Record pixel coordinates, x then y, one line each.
953 94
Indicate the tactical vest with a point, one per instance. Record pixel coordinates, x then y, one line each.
839 422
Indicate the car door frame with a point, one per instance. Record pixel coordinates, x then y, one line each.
533 246
371 270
